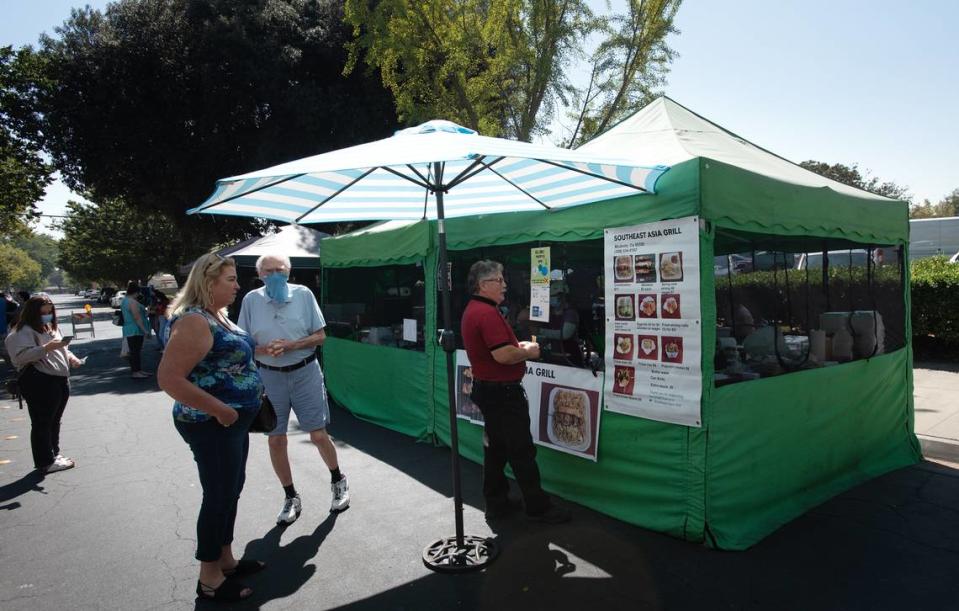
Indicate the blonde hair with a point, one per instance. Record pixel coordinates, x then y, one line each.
198 290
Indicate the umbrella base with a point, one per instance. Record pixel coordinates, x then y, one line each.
444 556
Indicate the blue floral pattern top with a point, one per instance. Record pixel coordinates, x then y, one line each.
227 371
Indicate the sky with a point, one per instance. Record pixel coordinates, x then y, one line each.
841 81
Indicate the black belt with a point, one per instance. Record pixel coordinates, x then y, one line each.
497 384
292 367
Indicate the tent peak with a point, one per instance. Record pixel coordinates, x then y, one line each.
671 133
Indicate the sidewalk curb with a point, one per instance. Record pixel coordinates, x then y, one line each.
939 447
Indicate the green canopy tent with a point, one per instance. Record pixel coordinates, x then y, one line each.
768 449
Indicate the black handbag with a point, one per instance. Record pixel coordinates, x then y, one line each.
265 420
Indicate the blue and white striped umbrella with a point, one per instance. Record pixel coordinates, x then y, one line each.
394 179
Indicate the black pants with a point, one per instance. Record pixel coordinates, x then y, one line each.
506 412
135 344
46 396
220 454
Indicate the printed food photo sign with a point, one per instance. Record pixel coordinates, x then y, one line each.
564 405
654 327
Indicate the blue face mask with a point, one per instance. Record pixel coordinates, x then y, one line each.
46 318
276 287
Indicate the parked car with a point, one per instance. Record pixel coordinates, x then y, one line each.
106 294
844 258
741 264
117 299
91 293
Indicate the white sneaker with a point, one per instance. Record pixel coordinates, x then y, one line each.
59 464
341 495
291 510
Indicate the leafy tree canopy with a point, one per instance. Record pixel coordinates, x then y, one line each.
501 66
41 248
113 243
17 269
850 175
947 206
151 101
23 173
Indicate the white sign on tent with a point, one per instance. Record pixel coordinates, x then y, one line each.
653 324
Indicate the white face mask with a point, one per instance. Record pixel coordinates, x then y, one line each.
46 318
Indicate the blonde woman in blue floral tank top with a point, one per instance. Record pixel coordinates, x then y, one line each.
208 370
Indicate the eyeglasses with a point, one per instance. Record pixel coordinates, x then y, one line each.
499 280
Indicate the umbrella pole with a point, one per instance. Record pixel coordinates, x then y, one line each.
459 553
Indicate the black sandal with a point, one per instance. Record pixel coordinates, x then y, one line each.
229 591
244 568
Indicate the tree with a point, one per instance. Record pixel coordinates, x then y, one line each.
501 66
42 248
111 242
627 67
850 175
947 206
24 175
151 101
56 278
17 269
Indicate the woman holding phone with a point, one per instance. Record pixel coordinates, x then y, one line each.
43 362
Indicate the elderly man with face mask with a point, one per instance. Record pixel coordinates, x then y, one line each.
287 325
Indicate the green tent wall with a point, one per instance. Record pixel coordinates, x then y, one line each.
768 450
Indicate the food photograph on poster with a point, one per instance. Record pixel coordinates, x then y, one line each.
568 419
672 349
671 266
647 306
648 348
670 305
624 268
645 268
624 346
625 308
624 378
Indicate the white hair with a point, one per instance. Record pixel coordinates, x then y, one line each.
281 258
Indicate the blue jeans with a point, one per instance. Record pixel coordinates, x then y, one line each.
220 454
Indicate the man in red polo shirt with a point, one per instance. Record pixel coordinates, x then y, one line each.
499 362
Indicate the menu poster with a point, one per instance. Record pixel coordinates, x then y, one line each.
539 284
653 329
564 405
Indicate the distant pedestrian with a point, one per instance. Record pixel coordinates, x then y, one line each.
160 304
208 369
287 324
136 327
8 313
43 362
498 362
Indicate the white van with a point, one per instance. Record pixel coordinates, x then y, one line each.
165 283
930 237
855 257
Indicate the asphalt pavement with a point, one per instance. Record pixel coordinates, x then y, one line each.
118 531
